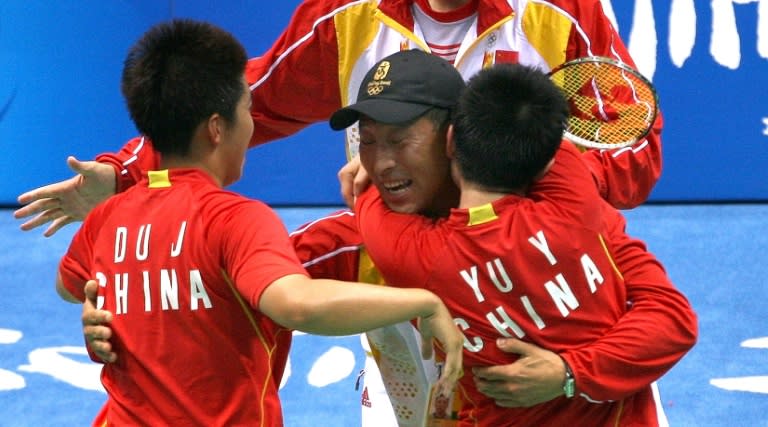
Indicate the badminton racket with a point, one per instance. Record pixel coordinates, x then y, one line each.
612 105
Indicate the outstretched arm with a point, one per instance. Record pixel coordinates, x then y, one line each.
67 201
330 307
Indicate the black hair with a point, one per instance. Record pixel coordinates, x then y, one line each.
177 75
508 125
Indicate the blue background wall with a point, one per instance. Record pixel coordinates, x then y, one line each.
60 66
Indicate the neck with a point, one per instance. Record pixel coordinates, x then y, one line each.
474 195
183 162
446 5
473 198
441 206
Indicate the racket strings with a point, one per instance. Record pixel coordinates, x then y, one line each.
609 105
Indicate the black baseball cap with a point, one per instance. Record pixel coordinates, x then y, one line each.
402 87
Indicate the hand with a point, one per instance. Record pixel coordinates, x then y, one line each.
440 326
536 377
67 201
97 334
353 179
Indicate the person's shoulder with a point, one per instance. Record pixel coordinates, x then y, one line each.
570 4
324 7
573 8
223 200
112 204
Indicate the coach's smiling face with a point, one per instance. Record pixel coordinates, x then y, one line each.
408 165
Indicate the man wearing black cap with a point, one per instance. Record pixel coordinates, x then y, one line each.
518 259
402 87
403 148
405 101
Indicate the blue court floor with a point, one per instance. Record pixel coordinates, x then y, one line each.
716 254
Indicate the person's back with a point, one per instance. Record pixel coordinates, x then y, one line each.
192 350
524 256
517 267
199 278
181 263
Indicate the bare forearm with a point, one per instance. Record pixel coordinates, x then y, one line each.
330 307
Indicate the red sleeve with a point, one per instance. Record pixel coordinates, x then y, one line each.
132 161
329 247
625 176
254 246
75 266
402 246
659 328
568 189
295 83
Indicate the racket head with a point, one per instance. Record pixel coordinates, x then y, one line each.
407 378
612 105
410 380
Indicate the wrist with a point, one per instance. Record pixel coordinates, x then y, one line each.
569 381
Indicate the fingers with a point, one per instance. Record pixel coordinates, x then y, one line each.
452 343
35 207
489 373
506 392
450 375
44 202
346 177
361 182
85 168
501 372
91 289
96 334
103 350
94 320
50 191
513 345
42 219
57 224
95 325
97 338
77 166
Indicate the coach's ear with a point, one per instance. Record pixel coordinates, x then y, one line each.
215 128
450 152
450 146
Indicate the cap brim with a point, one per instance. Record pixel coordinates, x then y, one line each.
385 111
